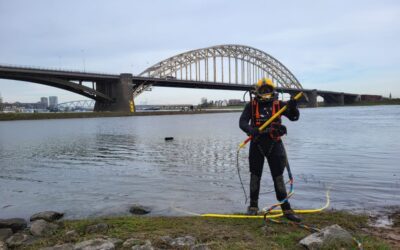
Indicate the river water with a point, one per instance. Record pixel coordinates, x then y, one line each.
100 166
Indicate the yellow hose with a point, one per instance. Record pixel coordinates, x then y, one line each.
274 213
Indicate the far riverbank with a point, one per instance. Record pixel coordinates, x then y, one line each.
208 110
42 116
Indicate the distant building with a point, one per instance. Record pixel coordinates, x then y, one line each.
371 98
233 102
24 107
53 102
221 103
45 102
1 104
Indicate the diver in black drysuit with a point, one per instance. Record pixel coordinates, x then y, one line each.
267 144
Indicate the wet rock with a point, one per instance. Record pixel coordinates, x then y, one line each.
5 233
42 228
146 246
19 239
67 246
95 244
331 236
180 242
3 245
139 209
71 236
131 242
16 224
48 216
98 228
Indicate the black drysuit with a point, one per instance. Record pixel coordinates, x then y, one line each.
265 147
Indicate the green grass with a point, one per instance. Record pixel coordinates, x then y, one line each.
220 233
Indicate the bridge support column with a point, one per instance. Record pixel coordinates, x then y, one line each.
341 99
119 91
312 97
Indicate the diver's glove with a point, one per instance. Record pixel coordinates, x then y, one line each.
292 103
254 132
277 130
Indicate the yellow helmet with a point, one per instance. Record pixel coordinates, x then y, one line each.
265 89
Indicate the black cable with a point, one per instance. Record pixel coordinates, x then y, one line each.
244 95
240 177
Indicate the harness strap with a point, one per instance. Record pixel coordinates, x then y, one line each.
256 116
256 113
275 108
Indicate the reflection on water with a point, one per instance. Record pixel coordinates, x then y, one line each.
99 166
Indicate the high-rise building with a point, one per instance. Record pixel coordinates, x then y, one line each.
45 102
1 103
53 101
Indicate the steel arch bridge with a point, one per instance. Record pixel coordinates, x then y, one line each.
76 105
224 67
232 64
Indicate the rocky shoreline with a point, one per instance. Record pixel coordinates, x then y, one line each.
48 231
15 234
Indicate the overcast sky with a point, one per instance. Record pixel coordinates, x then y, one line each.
349 46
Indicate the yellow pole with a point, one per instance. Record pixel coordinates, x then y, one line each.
132 106
277 114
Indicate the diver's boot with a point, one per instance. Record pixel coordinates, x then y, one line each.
254 192
290 215
253 208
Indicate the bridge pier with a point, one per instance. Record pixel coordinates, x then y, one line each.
312 98
341 99
334 99
350 99
119 91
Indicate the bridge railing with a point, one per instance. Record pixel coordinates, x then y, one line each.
29 67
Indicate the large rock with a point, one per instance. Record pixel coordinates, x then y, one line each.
180 242
5 233
329 237
139 209
3 245
49 216
67 246
19 239
16 224
98 228
131 242
95 244
42 228
146 246
70 236
117 242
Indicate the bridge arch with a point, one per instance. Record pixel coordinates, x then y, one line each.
234 64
